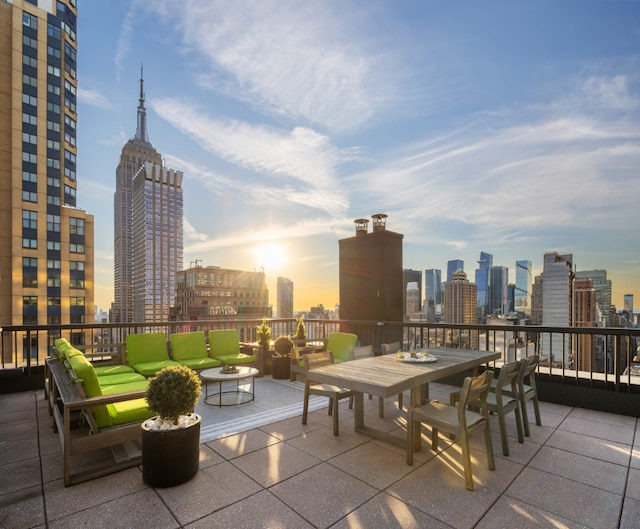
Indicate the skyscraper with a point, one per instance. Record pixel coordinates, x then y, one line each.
557 297
46 241
483 283
584 315
433 293
522 295
412 296
460 307
498 300
602 286
412 276
455 265
148 235
285 298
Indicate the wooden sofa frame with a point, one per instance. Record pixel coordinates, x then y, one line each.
66 398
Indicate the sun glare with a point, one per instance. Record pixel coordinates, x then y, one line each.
270 256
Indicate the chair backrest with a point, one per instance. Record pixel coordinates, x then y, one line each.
91 386
314 360
508 376
528 367
146 347
475 388
224 342
339 344
390 348
188 345
364 351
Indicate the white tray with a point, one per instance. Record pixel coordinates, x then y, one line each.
420 358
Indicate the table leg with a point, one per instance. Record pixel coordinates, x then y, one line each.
358 410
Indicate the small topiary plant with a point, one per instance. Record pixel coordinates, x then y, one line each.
301 329
283 345
173 391
264 334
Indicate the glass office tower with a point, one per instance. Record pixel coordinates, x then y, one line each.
522 295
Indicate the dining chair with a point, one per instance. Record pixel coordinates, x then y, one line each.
391 349
313 361
527 390
501 401
457 420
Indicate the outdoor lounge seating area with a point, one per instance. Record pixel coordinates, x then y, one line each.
580 469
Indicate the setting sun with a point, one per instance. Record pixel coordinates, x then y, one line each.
270 256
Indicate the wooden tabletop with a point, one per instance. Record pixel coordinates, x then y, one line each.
384 376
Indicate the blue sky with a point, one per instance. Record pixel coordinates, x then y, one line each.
510 127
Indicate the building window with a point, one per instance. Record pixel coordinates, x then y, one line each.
77 301
53 223
29 272
29 177
53 264
29 219
29 157
76 283
30 301
76 226
29 196
53 282
53 302
53 245
76 265
76 248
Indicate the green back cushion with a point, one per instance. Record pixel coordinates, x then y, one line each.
186 345
224 342
146 347
339 344
84 371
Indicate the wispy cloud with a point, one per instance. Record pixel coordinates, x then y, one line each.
302 60
124 39
93 97
298 162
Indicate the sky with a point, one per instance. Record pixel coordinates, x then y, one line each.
510 127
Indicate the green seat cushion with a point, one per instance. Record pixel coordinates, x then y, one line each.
224 342
128 411
111 389
234 359
121 378
151 368
116 369
146 347
187 345
339 344
200 363
84 371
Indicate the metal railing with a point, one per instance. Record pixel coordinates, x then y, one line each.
601 357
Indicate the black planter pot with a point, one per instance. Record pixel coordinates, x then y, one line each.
281 367
170 457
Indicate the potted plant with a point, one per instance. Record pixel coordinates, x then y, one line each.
300 336
171 439
282 357
264 337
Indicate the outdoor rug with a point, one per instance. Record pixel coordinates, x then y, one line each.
275 400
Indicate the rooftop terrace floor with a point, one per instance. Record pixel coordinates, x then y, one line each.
580 469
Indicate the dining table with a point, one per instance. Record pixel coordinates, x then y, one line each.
387 375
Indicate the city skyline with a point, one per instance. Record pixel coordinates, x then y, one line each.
505 128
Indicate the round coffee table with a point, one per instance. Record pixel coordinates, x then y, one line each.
233 397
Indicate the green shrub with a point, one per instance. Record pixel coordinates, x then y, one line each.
173 391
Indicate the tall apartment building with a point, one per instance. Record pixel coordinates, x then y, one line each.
557 309
412 276
602 286
522 293
483 282
206 292
584 315
460 298
370 275
46 241
285 298
412 308
433 293
148 234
